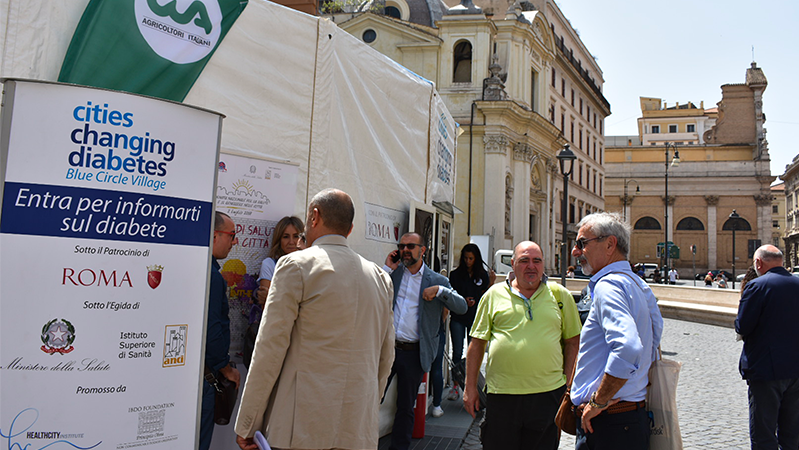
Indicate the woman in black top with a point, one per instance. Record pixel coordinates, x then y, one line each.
471 281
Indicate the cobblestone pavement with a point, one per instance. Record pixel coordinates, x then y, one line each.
711 397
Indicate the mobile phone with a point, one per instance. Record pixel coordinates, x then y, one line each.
395 256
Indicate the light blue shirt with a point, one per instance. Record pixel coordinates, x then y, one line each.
621 335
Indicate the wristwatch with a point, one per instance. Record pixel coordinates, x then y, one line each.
596 405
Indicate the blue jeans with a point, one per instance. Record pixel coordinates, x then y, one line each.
627 430
436 371
774 414
458 331
207 416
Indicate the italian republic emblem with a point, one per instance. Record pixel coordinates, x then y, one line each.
154 275
58 336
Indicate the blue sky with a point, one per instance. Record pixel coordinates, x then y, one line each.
683 51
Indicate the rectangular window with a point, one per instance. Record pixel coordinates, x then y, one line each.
690 128
655 129
580 144
563 87
532 91
594 182
552 114
600 186
572 134
562 123
775 223
775 209
581 107
572 97
554 80
672 128
595 121
600 127
581 175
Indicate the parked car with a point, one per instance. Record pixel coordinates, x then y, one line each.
650 269
578 273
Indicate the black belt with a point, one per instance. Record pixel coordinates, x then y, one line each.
407 346
617 408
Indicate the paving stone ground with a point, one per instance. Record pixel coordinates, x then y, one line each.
711 397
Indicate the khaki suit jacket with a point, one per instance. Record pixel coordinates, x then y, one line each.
323 353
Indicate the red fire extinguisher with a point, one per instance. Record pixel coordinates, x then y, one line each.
420 410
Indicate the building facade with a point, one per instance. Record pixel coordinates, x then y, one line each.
522 85
778 217
724 171
791 233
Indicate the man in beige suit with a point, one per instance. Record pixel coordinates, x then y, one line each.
325 345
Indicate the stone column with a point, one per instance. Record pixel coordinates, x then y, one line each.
523 157
764 225
712 231
496 153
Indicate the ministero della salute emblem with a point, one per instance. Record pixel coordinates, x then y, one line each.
182 31
58 336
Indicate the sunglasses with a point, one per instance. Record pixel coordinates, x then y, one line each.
232 234
580 243
410 246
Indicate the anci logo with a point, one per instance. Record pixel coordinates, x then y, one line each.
182 31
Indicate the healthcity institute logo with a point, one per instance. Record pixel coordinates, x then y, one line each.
58 336
182 31
154 275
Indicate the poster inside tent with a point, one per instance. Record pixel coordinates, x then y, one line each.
107 203
256 194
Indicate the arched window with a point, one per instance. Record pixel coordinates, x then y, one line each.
462 62
690 224
393 11
740 225
647 223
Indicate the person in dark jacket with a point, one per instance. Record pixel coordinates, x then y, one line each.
770 357
471 280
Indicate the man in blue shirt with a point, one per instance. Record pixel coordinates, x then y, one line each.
770 357
618 342
217 341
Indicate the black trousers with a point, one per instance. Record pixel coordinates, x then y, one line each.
521 422
408 370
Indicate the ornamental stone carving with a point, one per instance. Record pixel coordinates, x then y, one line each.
712 200
670 200
627 200
496 144
522 152
763 199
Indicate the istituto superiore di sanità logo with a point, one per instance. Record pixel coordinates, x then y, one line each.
58 336
182 31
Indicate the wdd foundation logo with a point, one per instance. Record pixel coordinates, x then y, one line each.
182 31
175 345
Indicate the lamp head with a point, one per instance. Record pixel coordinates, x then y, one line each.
566 159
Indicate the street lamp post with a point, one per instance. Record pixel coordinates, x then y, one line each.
734 216
626 197
566 159
674 162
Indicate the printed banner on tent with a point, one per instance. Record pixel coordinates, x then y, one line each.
256 194
149 47
443 139
107 202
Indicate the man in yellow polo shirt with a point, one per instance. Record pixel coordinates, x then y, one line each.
534 330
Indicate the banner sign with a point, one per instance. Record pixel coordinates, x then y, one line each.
105 225
149 47
256 194
385 224
443 139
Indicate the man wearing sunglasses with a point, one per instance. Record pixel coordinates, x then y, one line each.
534 329
217 344
420 295
618 343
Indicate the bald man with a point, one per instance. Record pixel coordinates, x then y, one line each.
769 363
325 345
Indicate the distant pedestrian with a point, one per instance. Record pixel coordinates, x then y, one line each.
471 280
770 357
533 330
721 281
673 276
709 279
570 272
618 343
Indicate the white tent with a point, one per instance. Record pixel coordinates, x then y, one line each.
293 88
